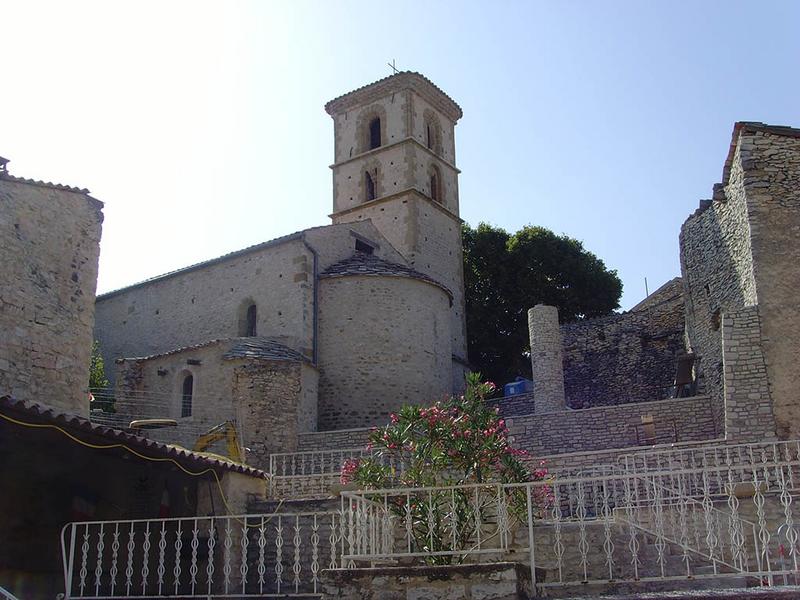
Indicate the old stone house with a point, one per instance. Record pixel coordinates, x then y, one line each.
357 317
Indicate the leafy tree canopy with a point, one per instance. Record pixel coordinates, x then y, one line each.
506 274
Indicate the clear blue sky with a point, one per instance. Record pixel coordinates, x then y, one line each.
201 126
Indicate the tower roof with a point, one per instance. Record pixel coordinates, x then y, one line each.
369 265
405 80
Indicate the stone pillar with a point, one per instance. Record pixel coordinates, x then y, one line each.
546 359
748 404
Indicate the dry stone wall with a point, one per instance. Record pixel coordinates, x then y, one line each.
717 268
627 357
607 427
50 238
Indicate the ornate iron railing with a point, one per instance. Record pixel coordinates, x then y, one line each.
606 527
277 554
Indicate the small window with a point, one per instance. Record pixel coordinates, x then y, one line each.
369 184
186 396
364 247
430 136
375 133
250 321
436 191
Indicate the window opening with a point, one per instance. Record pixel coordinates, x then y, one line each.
430 137
250 321
374 133
364 247
370 186
435 186
186 396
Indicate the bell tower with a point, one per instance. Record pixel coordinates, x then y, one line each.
394 163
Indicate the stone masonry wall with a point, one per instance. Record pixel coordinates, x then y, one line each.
50 238
770 160
717 268
269 401
198 305
339 439
546 358
627 357
384 342
430 239
268 396
601 428
748 405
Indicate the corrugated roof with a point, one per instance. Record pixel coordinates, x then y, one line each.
397 81
365 264
38 413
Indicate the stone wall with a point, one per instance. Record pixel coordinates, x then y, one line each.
384 342
748 405
333 440
269 401
201 304
50 238
206 301
495 581
739 250
607 427
771 162
717 268
626 357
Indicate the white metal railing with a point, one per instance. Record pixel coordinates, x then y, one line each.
247 555
720 462
6 595
654 526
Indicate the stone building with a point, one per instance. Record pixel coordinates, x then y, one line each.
731 320
50 240
367 313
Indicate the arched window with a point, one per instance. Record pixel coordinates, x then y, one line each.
250 321
369 186
187 390
247 319
375 133
436 185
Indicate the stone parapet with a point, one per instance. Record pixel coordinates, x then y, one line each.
498 581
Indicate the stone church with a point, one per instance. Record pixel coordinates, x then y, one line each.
328 328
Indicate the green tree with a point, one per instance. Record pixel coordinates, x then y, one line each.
98 382
506 274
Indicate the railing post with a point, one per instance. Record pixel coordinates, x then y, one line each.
530 539
68 560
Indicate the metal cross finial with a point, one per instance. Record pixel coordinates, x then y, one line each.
393 67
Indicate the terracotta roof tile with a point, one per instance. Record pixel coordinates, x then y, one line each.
395 82
38 413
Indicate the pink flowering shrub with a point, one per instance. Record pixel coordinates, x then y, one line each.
457 441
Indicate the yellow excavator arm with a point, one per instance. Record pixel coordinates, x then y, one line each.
226 431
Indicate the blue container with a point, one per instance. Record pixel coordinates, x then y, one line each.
519 386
